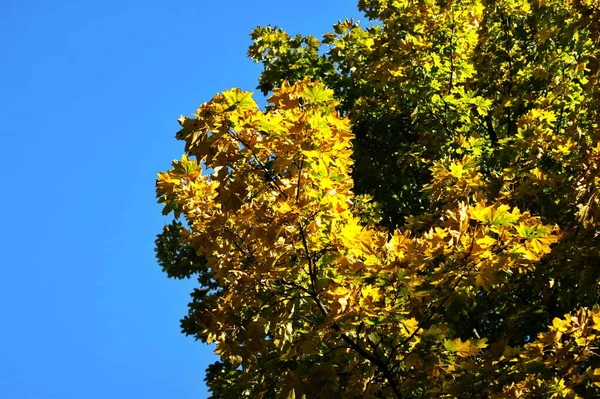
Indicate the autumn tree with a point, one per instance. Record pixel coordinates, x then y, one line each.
414 214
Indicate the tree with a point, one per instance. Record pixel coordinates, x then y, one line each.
414 214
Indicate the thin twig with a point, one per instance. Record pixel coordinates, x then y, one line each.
260 163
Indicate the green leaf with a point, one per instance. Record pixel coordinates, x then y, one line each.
237 99
317 94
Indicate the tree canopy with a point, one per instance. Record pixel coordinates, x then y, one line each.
414 214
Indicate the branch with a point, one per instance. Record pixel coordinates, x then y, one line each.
427 319
247 252
506 27
490 130
299 176
262 165
437 308
311 268
375 360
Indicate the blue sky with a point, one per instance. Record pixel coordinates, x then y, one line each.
89 97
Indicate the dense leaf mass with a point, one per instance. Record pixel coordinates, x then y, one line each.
414 214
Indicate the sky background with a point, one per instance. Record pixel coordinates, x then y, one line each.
89 97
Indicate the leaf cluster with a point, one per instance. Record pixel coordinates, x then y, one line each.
414 214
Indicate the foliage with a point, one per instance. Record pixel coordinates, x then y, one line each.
414 214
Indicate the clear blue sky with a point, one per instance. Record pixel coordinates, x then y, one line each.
89 97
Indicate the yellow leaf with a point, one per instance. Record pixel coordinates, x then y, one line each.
410 325
486 242
372 292
464 348
561 325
